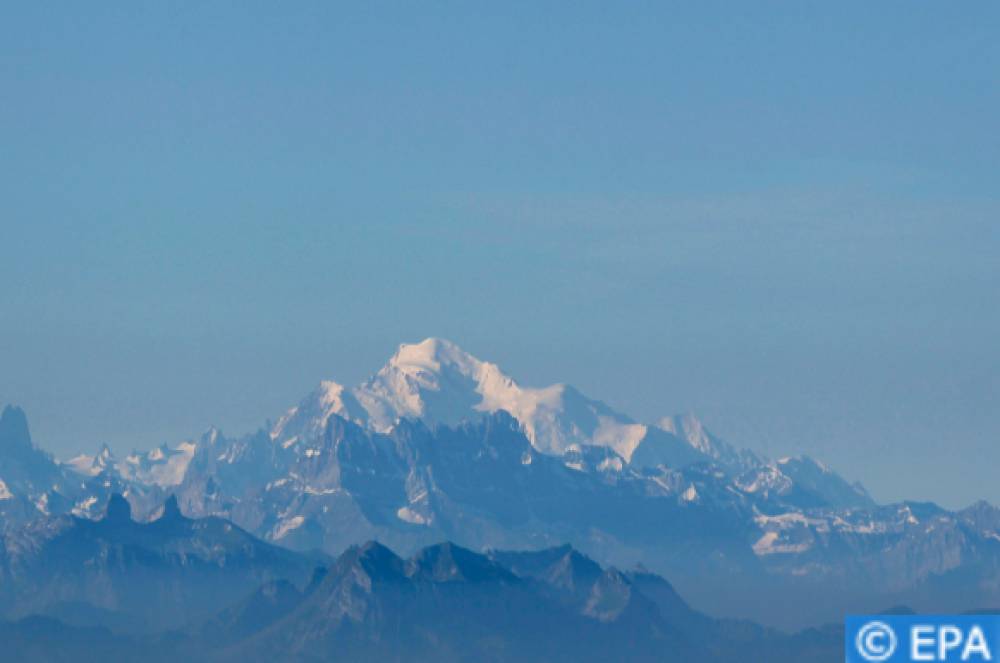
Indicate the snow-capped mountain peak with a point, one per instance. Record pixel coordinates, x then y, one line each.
92 465
438 382
434 380
690 428
163 466
308 418
435 355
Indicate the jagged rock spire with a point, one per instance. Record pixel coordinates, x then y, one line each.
14 427
119 510
171 510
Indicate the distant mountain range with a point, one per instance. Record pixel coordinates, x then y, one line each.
178 589
439 445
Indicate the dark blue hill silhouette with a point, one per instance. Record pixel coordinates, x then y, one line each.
179 589
152 575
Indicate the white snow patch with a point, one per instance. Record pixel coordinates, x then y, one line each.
765 479
611 464
910 518
172 472
768 545
5 493
408 515
765 542
624 438
83 465
83 507
287 526
785 520
321 491
660 481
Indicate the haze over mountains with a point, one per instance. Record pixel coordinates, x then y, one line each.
178 589
441 446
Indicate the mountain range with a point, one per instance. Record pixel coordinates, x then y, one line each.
441 446
177 588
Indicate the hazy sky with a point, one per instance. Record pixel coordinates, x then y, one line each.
784 217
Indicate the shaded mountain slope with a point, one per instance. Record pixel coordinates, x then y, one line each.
151 575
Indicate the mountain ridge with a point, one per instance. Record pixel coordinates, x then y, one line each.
443 602
419 452
439 383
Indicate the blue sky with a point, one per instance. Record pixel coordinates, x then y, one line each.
782 216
